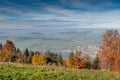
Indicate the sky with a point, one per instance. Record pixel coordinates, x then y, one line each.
60 13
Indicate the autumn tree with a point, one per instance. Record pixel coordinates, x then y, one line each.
38 59
42 59
69 62
109 51
9 47
69 59
3 56
78 61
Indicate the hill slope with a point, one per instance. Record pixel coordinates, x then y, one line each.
31 72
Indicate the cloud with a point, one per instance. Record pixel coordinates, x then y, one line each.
86 5
72 13
89 19
35 23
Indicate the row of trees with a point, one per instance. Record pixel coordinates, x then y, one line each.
9 53
108 56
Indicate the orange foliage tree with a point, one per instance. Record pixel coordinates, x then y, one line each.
38 59
9 48
109 51
77 61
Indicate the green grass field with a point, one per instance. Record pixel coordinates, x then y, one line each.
32 72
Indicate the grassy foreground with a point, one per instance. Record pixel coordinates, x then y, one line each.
31 72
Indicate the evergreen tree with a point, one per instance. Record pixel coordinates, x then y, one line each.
1 47
59 59
26 52
26 56
96 62
71 54
31 53
88 62
51 57
18 50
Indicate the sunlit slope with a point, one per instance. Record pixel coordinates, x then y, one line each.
31 72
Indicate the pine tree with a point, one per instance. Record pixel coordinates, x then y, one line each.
59 59
96 62
31 53
18 50
26 52
71 54
1 47
26 56
51 57
88 61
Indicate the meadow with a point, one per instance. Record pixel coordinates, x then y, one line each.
36 72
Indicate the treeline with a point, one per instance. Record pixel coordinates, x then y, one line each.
9 53
108 56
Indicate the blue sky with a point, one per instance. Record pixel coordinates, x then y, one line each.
65 13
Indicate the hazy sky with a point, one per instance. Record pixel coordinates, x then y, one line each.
60 13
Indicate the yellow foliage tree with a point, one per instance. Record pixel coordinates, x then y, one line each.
35 59
3 56
69 62
38 59
18 60
43 59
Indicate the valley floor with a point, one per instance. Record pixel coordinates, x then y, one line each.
33 72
